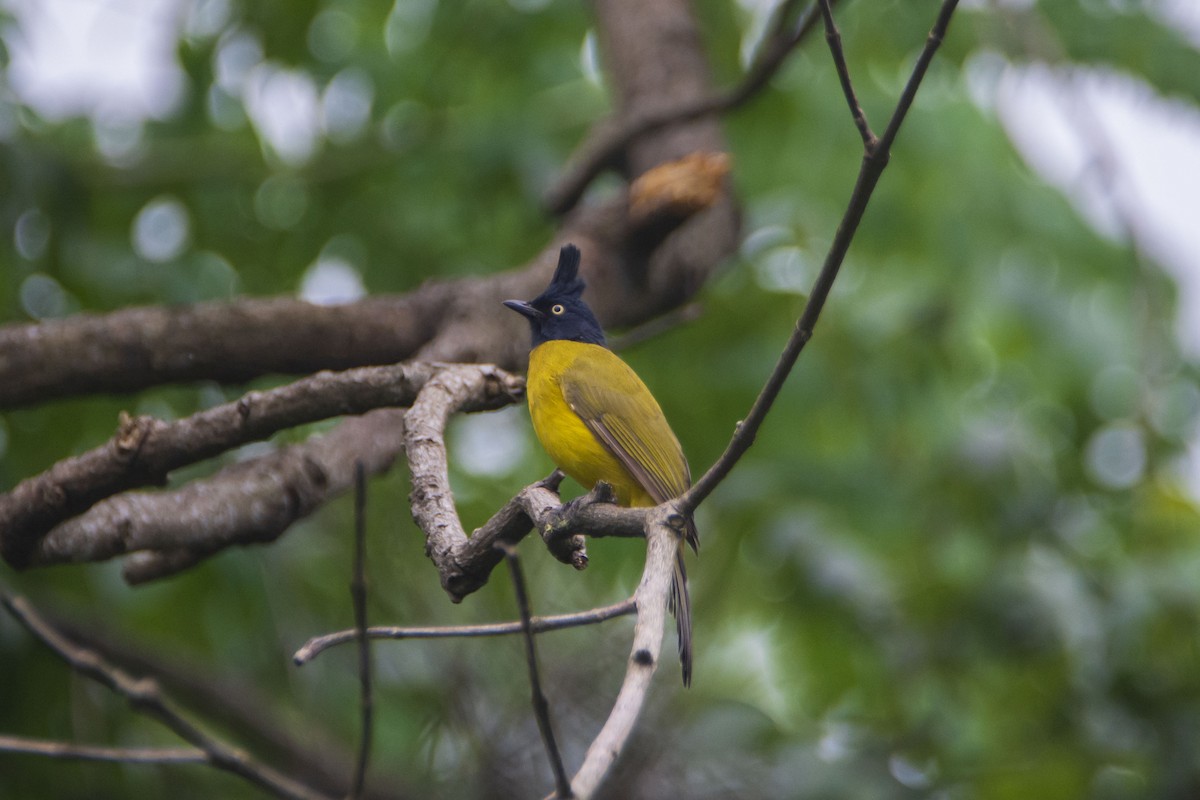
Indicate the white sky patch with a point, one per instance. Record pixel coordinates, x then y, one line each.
346 105
283 106
1150 162
1141 160
490 445
73 58
1182 15
330 281
160 229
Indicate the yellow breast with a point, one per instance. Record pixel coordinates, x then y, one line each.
563 435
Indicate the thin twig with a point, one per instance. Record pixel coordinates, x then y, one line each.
308 752
874 161
319 644
541 708
146 697
834 37
87 752
358 592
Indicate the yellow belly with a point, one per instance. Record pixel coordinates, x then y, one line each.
563 435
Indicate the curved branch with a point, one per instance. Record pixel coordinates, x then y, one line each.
463 563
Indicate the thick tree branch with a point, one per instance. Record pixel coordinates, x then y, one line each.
460 320
655 58
145 450
251 502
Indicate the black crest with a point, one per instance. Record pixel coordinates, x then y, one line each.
560 312
566 281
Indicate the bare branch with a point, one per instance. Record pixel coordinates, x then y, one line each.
258 500
431 499
541 708
834 38
145 450
319 644
464 563
874 161
144 695
139 347
308 753
662 542
253 502
86 752
358 592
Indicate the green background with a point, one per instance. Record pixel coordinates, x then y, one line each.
924 579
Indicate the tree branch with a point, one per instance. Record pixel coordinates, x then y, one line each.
874 161
252 502
541 708
145 450
358 594
144 695
87 752
319 644
307 752
662 542
834 38
231 342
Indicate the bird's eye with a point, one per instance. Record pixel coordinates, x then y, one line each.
556 309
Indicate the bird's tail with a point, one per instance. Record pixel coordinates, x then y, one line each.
681 607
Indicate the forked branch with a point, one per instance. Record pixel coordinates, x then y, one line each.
875 159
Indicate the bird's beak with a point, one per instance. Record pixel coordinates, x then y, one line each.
524 309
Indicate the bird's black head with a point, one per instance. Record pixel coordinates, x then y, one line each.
559 312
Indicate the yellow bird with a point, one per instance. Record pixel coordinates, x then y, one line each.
598 421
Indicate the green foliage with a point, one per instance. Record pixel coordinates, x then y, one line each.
934 574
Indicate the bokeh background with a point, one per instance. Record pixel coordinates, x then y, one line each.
961 561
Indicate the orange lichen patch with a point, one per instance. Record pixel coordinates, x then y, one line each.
679 188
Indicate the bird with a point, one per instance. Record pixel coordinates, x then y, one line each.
598 421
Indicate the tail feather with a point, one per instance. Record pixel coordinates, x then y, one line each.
681 606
